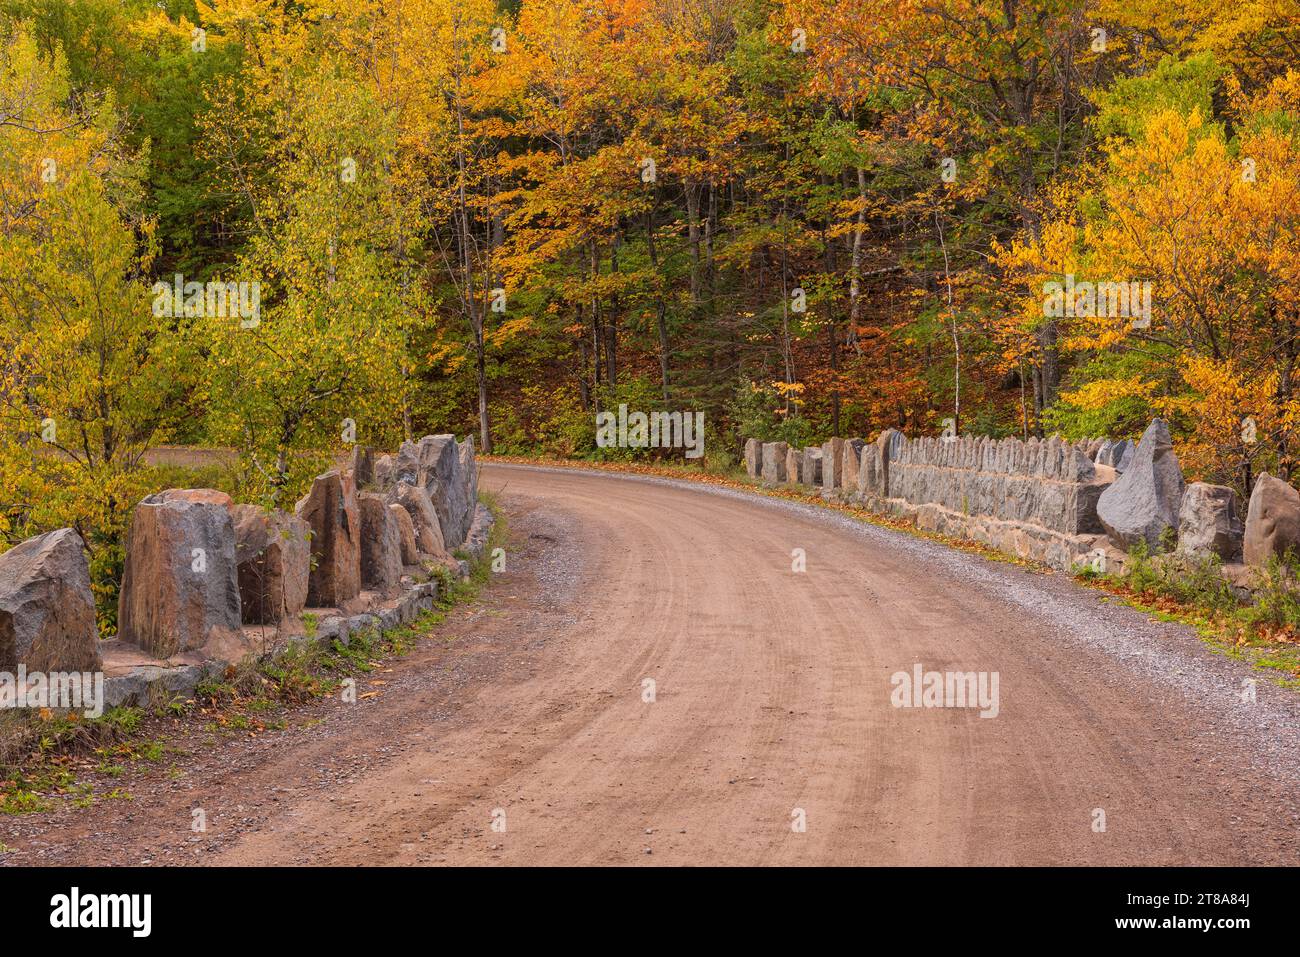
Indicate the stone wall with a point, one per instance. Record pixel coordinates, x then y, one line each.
1061 503
207 583
1036 499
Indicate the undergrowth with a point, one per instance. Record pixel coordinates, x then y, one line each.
1262 630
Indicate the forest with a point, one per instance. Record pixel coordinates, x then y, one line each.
279 227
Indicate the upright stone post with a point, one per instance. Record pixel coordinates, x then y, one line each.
793 466
381 545
47 610
832 463
330 508
273 557
848 477
811 472
774 462
888 445
180 586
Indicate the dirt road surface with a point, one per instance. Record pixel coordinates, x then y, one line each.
771 706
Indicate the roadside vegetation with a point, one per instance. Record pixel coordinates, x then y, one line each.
1261 628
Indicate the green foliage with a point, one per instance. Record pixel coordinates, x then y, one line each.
796 431
756 412
546 420
1195 581
324 353
51 493
1243 627
752 413
1126 416
639 395
1126 107
1277 596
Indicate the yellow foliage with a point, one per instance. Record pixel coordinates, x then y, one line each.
1103 392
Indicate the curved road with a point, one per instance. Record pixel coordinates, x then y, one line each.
1117 739
772 693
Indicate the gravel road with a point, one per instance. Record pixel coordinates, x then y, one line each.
649 682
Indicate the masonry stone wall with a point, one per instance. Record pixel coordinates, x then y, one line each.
1036 499
1065 504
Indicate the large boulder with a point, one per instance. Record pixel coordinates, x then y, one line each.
1123 455
406 534
383 474
406 464
469 470
832 463
1114 454
1209 522
774 462
47 610
330 508
273 558
753 457
381 545
1272 521
440 475
869 474
849 463
811 471
180 586
428 530
1144 502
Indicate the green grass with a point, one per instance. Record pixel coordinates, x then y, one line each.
23 801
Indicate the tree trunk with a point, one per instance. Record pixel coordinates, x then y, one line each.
611 323
855 267
832 333
661 308
467 274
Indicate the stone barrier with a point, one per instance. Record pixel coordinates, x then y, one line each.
774 457
1035 499
180 584
793 465
330 509
847 478
273 556
1061 503
811 472
47 611
206 581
